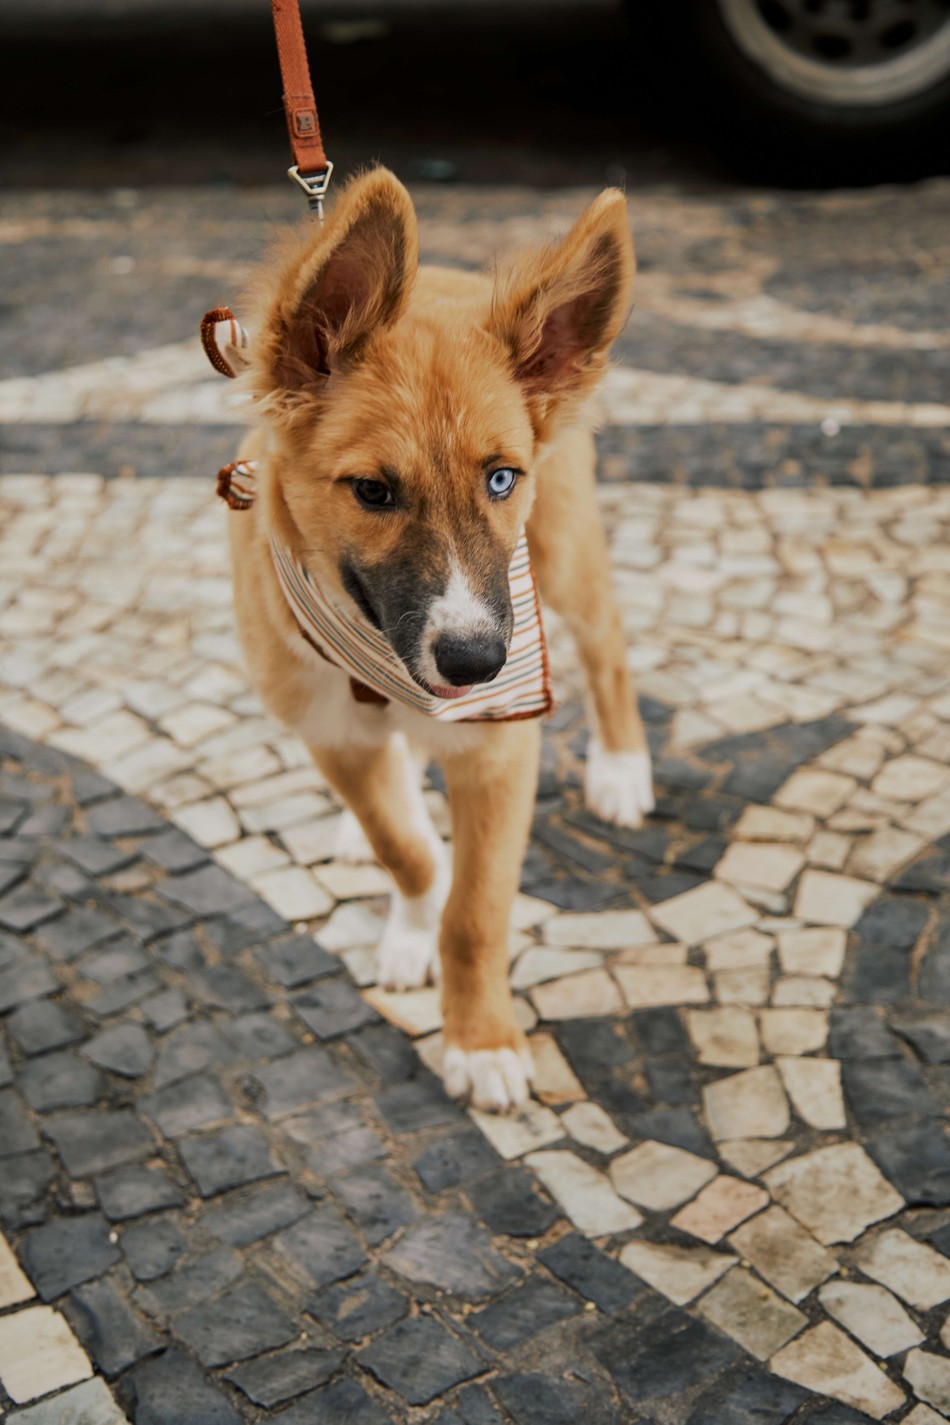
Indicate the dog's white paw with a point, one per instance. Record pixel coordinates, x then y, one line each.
496 1079
618 786
409 949
352 844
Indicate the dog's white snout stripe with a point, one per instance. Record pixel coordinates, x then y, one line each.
459 612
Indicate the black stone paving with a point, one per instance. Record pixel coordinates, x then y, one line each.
253 1202
509 1203
755 455
280 1377
847 262
113 1333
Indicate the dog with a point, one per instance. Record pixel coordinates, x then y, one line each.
412 423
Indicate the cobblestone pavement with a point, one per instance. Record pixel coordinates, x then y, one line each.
780 340
232 1186
236 1190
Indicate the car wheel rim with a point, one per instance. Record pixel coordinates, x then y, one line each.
865 53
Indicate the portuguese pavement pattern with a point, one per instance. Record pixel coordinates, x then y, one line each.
231 1184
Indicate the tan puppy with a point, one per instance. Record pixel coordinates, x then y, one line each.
412 421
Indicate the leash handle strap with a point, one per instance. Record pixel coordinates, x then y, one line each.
311 167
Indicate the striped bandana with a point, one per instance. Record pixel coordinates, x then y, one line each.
521 690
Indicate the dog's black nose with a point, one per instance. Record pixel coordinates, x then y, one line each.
469 660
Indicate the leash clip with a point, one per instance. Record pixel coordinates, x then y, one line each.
315 186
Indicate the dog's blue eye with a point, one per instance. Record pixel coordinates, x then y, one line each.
501 483
374 495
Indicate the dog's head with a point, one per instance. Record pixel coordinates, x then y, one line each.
406 417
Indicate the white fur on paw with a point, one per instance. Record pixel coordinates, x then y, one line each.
618 786
351 841
496 1079
409 948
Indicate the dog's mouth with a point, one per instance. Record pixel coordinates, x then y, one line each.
450 691
439 691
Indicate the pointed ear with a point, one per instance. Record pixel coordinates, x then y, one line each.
338 287
559 311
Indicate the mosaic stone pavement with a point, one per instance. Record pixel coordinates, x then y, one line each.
232 1188
778 339
235 1190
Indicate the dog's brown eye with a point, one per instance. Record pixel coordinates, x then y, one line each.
374 495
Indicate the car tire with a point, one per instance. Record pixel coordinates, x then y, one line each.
819 88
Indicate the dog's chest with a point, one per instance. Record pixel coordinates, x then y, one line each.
332 717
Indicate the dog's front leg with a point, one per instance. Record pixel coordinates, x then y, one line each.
491 794
572 562
380 786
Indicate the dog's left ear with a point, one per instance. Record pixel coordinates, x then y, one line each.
559 311
341 285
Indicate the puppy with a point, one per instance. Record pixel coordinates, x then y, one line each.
413 424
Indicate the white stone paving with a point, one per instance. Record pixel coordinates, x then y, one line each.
40 1358
117 644
39 1354
171 385
680 1273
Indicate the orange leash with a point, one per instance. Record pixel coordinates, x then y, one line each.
311 168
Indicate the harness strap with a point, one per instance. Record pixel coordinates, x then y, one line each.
311 167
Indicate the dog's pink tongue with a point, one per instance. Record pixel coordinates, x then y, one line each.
451 692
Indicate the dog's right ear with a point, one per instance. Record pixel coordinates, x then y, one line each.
344 283
558 311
